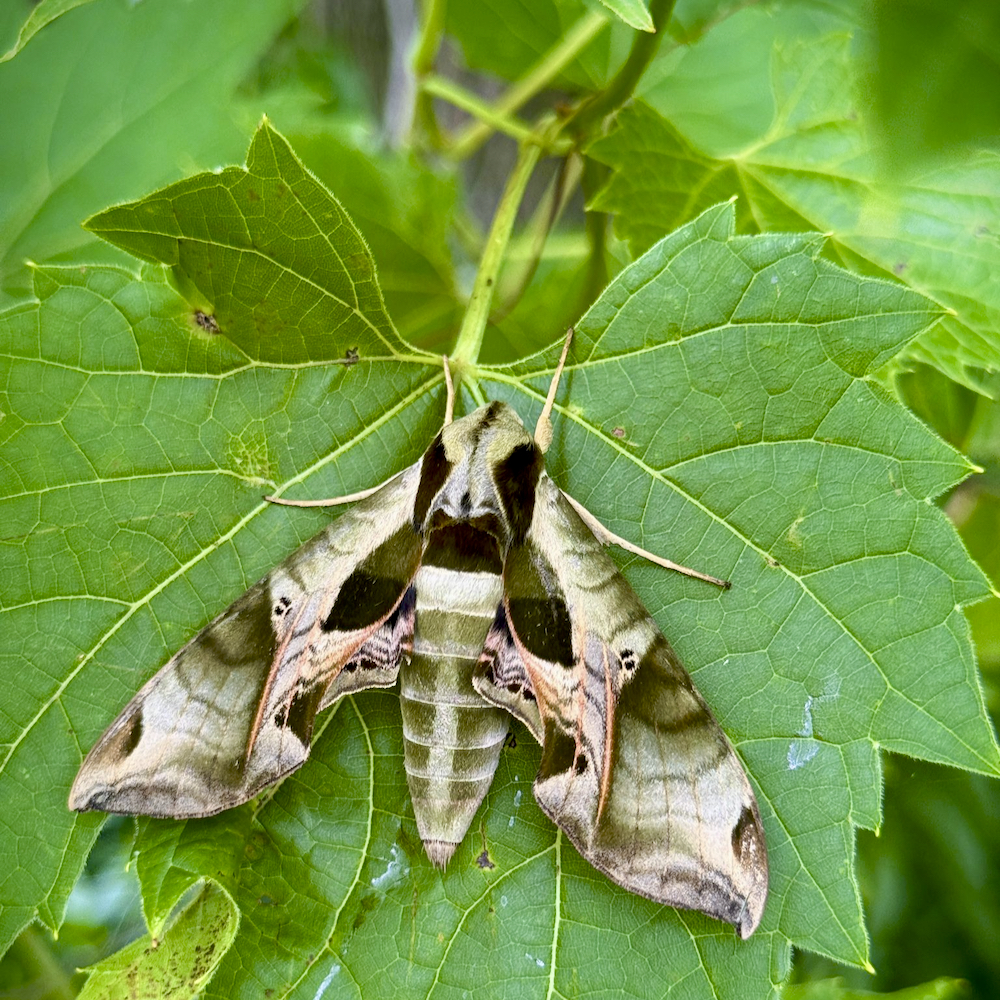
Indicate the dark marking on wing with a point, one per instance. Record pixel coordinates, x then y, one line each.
544 628
131 739
302 711
372 591
536 607
516 479
744 831
434 471
362 600
371 656
559 751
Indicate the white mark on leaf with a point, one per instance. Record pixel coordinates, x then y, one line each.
517 805
395 871
334 969
802 751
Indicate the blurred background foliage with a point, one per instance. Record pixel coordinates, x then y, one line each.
114 99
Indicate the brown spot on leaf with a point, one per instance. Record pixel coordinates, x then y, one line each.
484 861
207 321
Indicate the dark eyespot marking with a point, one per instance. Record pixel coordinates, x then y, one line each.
744 831
281 606
434 471
134 734
581 764
516 479
629 661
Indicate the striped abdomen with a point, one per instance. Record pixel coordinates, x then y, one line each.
451 736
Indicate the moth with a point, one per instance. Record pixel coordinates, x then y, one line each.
473 579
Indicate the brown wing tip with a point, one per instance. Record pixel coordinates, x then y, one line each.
440 852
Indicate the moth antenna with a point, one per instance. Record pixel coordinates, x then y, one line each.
608 537
543 429
332 501
449 406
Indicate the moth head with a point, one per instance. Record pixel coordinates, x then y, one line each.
481 469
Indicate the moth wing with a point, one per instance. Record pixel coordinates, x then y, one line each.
635 769
502 678
233 711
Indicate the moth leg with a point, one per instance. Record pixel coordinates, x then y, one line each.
608 537
332 501
543 429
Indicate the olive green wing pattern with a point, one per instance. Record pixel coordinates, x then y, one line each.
233 711
635 769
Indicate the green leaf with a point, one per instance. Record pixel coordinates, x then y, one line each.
833 989
788 134
284 271
718 408
509 39
42 14
124 97
957 103
176 965
635 13
407 215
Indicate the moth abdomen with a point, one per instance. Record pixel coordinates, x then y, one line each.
452 736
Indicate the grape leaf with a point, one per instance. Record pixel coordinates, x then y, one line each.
635 13
112 87
788 134
718 407
284 272
42 14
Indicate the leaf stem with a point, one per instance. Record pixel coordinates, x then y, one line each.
470 337
490 116
551 64
424 58
620 89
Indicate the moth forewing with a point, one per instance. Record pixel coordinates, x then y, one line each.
232 711
476 580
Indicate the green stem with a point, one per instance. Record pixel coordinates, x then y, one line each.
36 954
424 58
470 337
620 89
453 93
579 36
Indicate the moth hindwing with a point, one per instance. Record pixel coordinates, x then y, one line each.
472 577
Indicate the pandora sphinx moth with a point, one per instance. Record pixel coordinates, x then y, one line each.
487 592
